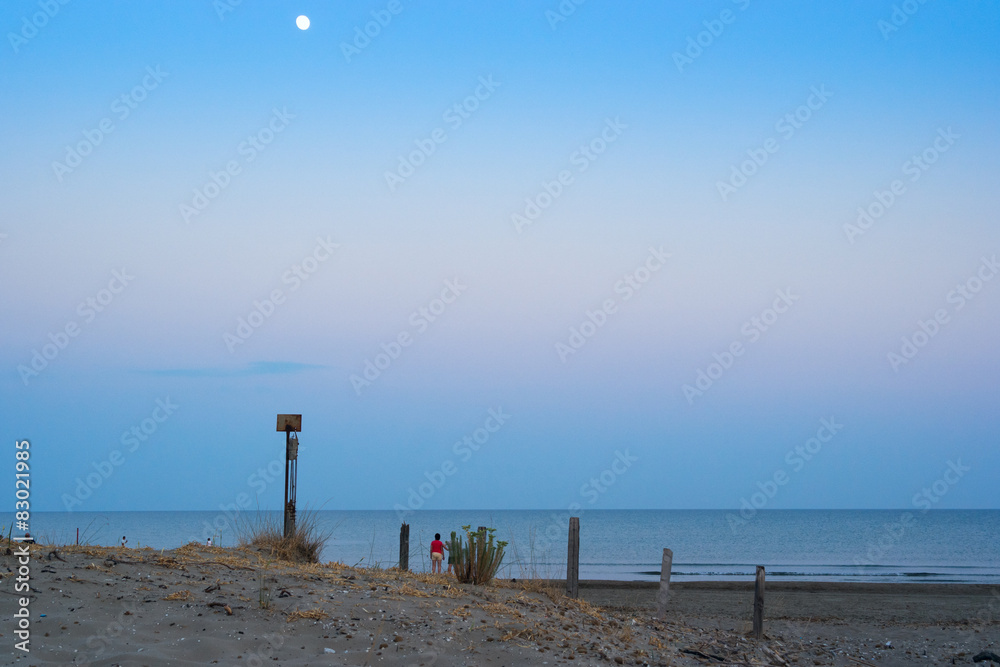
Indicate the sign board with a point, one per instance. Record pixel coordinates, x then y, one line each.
289 422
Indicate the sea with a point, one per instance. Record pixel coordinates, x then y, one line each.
909 546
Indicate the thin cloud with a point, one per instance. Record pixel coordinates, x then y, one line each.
252 369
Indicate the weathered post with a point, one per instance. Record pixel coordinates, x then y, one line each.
404 547
291 425
758 604
663 596
573 558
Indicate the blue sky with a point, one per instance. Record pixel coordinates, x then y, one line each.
618 200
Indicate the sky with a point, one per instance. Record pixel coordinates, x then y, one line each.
615 255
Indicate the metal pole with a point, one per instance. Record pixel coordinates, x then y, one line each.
289 524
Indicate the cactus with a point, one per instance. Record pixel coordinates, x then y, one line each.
477 561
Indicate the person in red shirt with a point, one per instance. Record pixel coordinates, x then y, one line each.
437 553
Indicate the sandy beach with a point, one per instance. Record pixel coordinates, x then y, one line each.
198 605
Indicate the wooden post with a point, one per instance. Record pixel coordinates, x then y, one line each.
573 559
758 604
404 547
663 596
482 529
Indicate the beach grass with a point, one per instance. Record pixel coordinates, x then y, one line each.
265 532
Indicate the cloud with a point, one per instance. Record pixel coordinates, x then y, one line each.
255 368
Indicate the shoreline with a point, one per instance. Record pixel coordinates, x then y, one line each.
805 585
193 605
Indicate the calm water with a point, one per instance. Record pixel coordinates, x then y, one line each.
896 545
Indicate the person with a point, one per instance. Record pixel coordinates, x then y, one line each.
28 539
437 554
209 542
124 541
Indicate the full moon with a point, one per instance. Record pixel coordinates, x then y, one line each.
302 22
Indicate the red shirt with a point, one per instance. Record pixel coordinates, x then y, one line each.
437 547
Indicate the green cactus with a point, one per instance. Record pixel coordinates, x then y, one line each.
477 561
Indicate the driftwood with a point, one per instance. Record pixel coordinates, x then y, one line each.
54 554
986 655
229 610
707 656
773 655
231 567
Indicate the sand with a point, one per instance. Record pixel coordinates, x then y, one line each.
202 606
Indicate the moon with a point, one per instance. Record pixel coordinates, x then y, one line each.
302 22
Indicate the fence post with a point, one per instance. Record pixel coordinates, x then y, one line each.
573 559
663 596
758 604
404 547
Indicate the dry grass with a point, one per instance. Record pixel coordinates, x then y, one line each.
313 614
92 566
412 591
182 596
495 609
265 533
